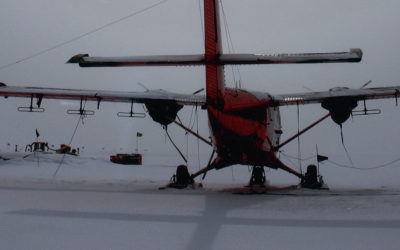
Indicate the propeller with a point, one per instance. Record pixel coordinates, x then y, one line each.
365 84
198 91
143 86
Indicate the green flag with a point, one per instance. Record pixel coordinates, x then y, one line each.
138 134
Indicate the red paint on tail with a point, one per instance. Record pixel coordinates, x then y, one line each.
243 125
213 48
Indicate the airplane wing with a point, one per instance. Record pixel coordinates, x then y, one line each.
337 93
101 95
341 101
84 60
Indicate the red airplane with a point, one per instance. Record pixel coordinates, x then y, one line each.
245 126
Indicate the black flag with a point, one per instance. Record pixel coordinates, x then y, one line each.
321 158
37 133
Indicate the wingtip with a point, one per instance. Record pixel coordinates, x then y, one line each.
357 51
77 58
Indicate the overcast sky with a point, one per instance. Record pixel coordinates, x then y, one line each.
174 27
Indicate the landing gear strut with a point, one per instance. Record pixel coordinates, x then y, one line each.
257 177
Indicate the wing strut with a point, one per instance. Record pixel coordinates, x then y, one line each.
211 165
192 132
301 132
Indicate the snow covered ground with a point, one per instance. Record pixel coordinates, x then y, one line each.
94 204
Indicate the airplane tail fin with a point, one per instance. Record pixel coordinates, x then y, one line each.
213 48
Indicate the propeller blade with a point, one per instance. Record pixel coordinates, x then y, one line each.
365 84
143 86
198 91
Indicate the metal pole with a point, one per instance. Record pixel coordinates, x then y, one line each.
316 147
298 138
137 143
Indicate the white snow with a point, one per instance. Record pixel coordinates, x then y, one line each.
95 204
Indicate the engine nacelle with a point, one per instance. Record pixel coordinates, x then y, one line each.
340 108
163 112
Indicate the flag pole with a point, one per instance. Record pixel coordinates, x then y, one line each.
137 143
138 134
316 147
37 142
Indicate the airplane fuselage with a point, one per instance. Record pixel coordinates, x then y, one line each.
246 130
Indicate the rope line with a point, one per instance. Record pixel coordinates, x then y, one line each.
342 165
81 117
359 168
83 35
231 49
201 17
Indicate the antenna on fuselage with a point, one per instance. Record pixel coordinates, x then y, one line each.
143 86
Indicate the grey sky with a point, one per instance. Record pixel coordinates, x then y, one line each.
256 26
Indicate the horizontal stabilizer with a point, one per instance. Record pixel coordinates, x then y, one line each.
354 55
84 60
